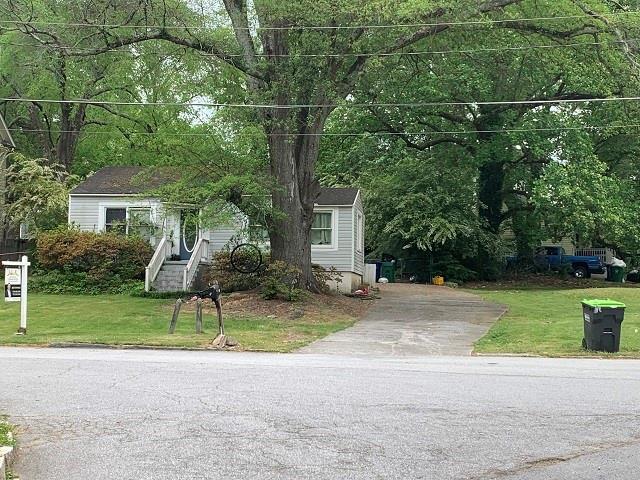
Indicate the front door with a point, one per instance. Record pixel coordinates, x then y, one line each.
189 230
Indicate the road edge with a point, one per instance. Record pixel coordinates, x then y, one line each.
7 455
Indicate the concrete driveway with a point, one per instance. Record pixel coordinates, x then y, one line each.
415 320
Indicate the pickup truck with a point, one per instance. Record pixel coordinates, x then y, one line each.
553 257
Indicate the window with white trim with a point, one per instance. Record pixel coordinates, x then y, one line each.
139 223
115 220
134 221
322 229
258 233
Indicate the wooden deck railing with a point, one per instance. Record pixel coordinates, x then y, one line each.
163 251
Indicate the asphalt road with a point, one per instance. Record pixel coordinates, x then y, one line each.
106 414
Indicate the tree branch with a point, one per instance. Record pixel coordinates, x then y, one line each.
358 65
113 43
237 11
629 51
147 127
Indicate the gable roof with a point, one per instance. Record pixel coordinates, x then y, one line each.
337 196
5 135
122 181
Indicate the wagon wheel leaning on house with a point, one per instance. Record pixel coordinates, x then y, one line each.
246 258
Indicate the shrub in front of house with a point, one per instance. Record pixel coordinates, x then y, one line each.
228 278
325 276
275 279
70 261
281 280
80 283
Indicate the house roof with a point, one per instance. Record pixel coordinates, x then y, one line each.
337 196
5 135
122 181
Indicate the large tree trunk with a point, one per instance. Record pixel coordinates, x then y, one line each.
491 174
66 150
491 185
293 158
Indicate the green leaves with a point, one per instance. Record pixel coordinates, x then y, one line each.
38 193
579 199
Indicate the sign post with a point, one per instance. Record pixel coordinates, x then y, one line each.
15 287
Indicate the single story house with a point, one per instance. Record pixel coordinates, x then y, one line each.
109 200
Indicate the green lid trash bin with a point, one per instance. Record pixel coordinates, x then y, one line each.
602 322
617 274
388 271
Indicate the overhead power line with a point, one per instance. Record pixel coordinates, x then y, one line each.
324 105
344 134
81 51
320 27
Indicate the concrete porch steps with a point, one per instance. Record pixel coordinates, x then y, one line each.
171 276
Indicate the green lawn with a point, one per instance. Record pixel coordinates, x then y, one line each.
6 434
121 319
549 322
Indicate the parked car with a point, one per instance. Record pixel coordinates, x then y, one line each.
554 257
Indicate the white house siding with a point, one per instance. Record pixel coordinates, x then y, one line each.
566 242
339 256
86 211
220 237
358 250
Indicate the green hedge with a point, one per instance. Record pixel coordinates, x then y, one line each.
80 283
70 261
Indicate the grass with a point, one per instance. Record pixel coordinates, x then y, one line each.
6 436
549 322
125 320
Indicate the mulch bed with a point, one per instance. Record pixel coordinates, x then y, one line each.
251 304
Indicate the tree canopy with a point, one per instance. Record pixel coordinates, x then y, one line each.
464 122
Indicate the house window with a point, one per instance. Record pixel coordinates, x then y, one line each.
258 233
25 233
139 223
115 220
322 229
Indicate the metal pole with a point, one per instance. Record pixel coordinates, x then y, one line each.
23 295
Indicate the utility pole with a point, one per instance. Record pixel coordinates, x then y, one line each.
6 147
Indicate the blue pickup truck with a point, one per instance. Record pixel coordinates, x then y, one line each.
553 257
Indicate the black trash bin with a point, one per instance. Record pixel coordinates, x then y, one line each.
602 322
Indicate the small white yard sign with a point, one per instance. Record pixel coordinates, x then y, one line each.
12 284
15 287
